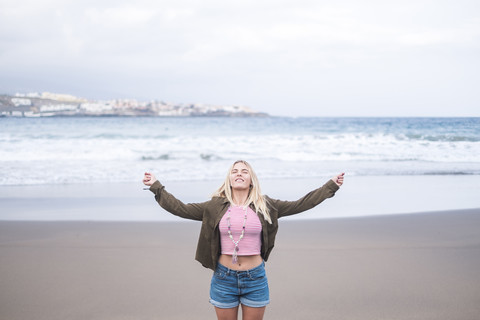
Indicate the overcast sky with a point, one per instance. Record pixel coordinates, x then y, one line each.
296 58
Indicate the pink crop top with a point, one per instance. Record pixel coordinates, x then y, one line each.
251 242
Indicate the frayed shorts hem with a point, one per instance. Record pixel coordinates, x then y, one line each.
246 302
254 304
223 305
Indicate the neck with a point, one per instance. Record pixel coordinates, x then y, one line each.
239 197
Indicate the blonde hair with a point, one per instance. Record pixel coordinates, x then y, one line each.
254 196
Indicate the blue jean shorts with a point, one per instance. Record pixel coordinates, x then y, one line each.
229 287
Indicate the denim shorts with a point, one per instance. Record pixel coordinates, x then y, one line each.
229 287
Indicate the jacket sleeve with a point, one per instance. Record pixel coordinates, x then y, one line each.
310 200
192 211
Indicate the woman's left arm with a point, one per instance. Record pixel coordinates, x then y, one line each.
310 200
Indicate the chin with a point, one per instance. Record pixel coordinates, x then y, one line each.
240 187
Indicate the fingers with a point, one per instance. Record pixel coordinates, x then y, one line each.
339 179
148 179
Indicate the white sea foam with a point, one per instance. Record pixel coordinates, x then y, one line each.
63 150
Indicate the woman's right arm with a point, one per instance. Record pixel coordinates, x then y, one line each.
167 201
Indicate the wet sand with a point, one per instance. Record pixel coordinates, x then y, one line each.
412 266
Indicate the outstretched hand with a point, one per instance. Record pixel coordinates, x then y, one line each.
149 179
339 179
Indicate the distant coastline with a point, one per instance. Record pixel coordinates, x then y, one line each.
53 105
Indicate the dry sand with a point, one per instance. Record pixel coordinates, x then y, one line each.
413 266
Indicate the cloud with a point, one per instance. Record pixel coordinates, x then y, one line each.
466 34
244 52
120 17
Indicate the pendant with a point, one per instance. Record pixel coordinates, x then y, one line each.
235 255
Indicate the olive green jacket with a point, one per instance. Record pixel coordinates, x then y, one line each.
211 212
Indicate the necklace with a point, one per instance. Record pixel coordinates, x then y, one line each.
235 250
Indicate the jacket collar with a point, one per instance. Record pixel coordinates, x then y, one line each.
226 204
225 200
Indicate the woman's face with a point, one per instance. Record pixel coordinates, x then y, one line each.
240 177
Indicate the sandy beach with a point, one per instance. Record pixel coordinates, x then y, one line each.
415 266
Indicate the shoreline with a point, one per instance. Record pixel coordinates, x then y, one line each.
359 196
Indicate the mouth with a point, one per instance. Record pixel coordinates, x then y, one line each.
239 180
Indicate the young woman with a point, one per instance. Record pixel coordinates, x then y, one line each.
238 231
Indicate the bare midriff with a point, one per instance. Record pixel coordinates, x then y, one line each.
243 263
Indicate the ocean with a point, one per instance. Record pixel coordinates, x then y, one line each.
91 168
63 150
